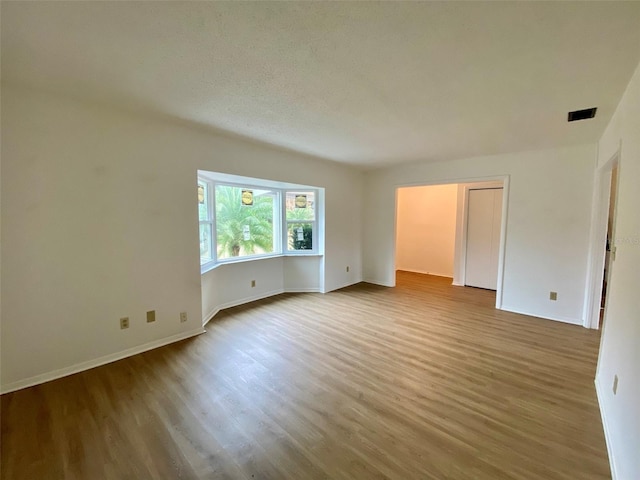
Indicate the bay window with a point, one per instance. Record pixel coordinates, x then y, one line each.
254 220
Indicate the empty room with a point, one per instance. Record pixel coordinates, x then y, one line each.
319 240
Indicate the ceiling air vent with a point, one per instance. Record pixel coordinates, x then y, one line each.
582 114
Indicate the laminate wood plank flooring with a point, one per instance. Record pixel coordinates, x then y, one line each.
422 381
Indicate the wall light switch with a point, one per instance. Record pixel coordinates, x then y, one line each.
151 316
553 296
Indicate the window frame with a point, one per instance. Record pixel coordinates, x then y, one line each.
277 221
281 224
286 223
210 220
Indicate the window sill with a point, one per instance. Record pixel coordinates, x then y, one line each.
207 267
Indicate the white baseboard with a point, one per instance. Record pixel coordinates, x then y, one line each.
446 275
376 281
241 301
302 290
343 285
605 426
573 321
209 316
234 303
251 298
79 367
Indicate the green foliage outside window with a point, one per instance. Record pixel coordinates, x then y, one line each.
242 229
300 242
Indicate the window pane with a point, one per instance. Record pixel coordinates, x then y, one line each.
300 236
205 243
203 202
244 221
300 206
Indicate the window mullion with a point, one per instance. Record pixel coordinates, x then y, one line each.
212 219
284 227
217 190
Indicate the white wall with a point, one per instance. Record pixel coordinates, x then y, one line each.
620 347
99 222
460 255
301 274
548 216
426 229
229 284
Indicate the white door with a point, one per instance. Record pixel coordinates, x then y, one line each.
483 238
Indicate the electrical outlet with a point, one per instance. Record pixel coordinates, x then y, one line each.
253 283
124 323
615 384
553 296
347 268
151 316
183 317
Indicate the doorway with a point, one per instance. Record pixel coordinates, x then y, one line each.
426 229
484 215
602 243
434 235
610 247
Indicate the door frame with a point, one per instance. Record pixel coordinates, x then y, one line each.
461 218
462 221
598 241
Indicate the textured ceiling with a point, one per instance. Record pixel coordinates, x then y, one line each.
358 82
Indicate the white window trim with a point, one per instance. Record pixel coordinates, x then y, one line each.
277 241
281 243
209 221
314 222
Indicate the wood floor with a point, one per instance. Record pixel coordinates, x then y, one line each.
424 381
